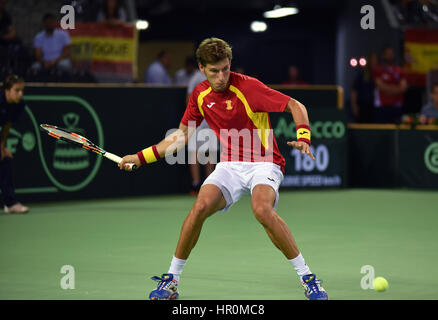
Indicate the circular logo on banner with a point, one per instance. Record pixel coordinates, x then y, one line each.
68 167
431 157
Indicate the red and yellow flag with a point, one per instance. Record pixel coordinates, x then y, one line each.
107 51
421 54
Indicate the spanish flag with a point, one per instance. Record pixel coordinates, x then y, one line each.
421 54
107 50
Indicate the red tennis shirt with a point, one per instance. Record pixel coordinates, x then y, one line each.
239 118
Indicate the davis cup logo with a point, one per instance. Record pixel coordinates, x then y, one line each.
68 167
431 157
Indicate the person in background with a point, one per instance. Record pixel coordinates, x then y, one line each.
7 30
362 95
52 46
294 77
429 112
194 146
112 13
391 84
157 73
11 108
183 75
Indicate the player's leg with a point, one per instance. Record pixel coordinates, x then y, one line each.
263 203
209 201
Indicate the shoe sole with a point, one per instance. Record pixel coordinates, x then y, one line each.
172 297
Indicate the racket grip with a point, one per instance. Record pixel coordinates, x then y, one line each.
117 159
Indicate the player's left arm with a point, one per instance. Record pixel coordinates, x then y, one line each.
4 152
301 119
169 145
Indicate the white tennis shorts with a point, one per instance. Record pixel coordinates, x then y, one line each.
236 179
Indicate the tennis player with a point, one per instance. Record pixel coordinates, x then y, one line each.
236 108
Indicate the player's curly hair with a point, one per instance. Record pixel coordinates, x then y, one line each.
10 80
212 50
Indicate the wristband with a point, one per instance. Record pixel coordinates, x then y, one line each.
149 155
303 133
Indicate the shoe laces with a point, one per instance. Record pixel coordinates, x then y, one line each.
314 285
162 283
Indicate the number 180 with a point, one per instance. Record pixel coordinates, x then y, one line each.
305 163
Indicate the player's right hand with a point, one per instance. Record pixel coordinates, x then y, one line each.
131 158
301 145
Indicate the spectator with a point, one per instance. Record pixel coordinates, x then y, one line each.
294 77
362 95
11 108
112 13
183 75
391 84
52 47
157 73
14 58
7 31
429 113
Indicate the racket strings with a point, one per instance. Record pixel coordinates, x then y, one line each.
66 135
72 137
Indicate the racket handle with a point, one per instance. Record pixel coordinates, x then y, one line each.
117 159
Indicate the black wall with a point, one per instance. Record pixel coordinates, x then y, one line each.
306 39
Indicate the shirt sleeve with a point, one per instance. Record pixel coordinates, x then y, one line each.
261 98
192 112
37 42
66 39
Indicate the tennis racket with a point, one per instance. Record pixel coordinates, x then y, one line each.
74 138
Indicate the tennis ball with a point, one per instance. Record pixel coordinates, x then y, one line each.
380 284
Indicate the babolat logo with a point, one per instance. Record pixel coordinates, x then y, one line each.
320 129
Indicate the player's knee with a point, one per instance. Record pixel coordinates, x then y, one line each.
263 213
200 210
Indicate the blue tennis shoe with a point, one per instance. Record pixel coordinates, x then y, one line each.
167 288
313 289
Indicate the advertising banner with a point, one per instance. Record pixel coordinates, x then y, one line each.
329 146
419 164
109 52
121 120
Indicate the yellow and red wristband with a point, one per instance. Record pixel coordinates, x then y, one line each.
303 133
149 155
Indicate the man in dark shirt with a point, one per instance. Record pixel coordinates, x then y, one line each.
7 31
11 108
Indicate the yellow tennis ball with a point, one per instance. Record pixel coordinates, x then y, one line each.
380 284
